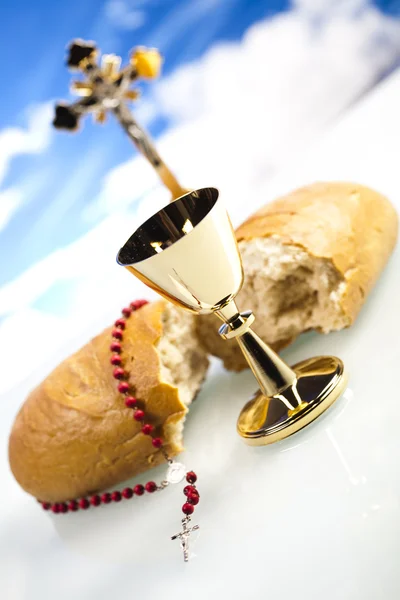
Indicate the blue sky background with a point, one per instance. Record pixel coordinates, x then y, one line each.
251 82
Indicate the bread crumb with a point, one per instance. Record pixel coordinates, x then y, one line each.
289 290
183 362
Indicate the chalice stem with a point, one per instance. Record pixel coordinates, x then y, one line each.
272 373
144 144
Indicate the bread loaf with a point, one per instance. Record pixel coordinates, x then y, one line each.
310 259
74 435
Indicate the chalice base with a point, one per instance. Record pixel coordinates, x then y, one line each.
319 382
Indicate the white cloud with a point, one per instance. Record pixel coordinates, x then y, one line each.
10 201
286 68
124 16
32 140
15 141
120 187
326 8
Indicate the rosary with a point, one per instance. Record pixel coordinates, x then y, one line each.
176 471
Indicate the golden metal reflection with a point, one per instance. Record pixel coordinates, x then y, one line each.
319 382
110 66
187 252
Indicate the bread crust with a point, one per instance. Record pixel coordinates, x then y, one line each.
74 436
352 227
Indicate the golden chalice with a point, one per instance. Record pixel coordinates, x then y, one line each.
187 252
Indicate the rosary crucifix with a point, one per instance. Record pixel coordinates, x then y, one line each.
184 535
107 87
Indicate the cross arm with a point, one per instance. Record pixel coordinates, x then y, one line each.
66 116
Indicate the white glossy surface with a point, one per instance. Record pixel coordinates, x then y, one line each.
316 516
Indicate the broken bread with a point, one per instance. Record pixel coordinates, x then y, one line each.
74 435
309 258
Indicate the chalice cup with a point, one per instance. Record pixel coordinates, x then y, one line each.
187 252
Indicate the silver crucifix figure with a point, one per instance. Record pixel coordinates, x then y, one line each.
106 87
184 535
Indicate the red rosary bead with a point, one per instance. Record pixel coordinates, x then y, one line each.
127 493
136 304
138 490
123 387
116 496
55 508
147 429
106 498
189 489
126 312
116 347
119 373
84 503
73 506
117 334
157 442
193 499
95 500
115 359
150 487
191 477
46 505
138 415
63 507
130 401
120 323
187 508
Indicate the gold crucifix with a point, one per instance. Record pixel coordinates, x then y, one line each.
184 535
107 87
